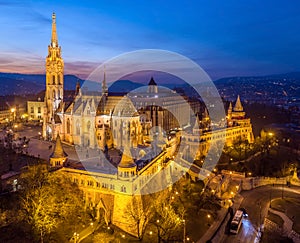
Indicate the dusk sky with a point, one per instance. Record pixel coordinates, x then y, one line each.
226 38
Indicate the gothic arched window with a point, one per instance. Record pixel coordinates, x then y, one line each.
68 126
88 125
53 79
58 79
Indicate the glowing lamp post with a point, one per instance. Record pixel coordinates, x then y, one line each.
184 229
13 111
76 237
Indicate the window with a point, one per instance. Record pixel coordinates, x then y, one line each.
53 79
88 125
31 109
123 189
39 109
68 125
58 79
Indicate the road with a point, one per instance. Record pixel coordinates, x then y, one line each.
256 202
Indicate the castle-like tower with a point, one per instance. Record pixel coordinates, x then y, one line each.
54 84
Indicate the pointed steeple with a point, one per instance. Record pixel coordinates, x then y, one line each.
58 151
77 88
152 82
238 105
230 107
196 128
126 160
54 40
104 85
205 115
152 86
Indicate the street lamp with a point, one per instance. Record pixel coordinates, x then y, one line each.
13 110
92 225
184 229
76 237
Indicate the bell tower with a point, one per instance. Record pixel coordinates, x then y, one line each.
54 82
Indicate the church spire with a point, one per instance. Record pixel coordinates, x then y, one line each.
152 86
104 85
238 105
54 40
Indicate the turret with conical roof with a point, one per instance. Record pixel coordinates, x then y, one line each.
126 160
238 105
152 86
126 167
59 156
238 110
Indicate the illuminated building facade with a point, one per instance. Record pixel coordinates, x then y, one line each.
54 85
98 120
35 110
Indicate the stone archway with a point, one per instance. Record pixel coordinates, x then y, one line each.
101 208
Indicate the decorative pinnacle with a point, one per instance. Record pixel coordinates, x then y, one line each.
54 40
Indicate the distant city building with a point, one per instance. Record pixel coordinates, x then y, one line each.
35 110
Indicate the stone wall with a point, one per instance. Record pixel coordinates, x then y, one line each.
253 182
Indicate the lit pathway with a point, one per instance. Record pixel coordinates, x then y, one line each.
85 232
288 223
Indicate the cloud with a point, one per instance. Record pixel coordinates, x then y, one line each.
80 68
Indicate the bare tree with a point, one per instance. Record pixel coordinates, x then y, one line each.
139 214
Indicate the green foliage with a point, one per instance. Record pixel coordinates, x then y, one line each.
48 199
168 219
103 237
